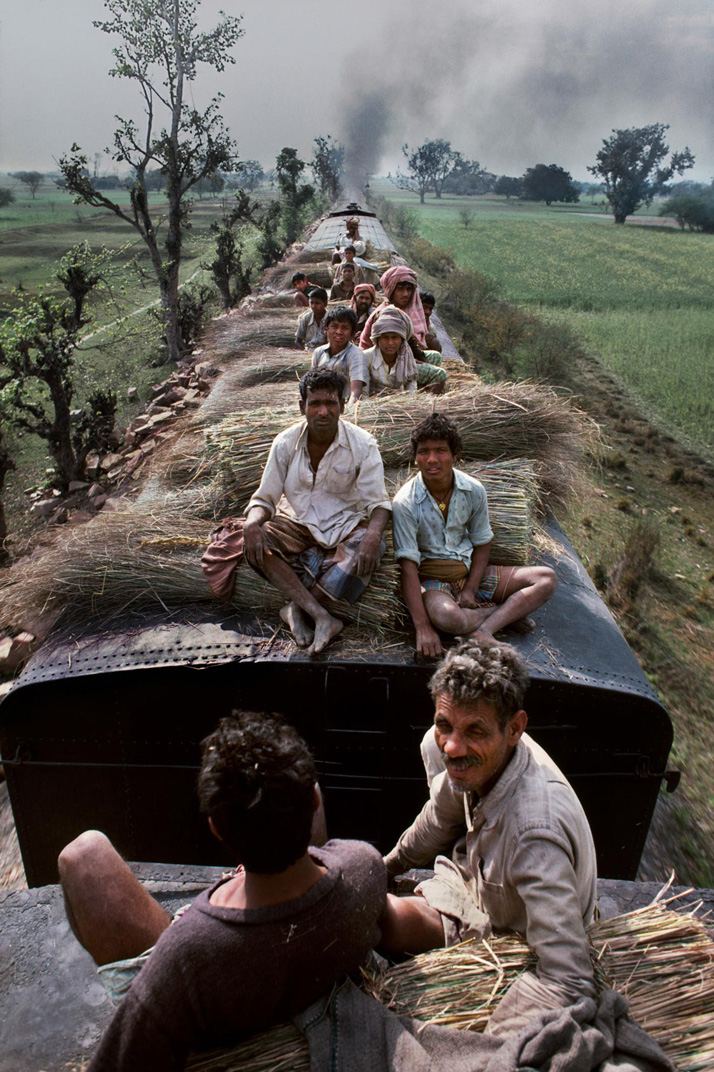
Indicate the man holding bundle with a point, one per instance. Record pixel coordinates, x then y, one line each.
442 541
328 547
521 854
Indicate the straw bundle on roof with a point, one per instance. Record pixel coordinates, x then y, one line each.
146 557
662 961
503 422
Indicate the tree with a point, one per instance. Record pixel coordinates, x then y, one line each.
294 196
508 186
693 209
633 168
428 167
467 177
548 182
327 162
38 343
250 175
160 50
229 273
6 196
33 179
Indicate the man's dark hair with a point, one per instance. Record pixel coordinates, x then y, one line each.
483 670
437 426
257 785
319 292
297 276
347 249
323 379
426 296
341 312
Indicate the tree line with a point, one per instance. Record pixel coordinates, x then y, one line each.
633 167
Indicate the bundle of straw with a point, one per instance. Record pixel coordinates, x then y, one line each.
144 558
661 961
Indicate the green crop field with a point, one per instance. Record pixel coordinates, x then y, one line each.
640 297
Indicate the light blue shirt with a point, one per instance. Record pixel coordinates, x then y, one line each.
351 362
419 529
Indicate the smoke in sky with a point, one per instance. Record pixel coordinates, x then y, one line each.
512 85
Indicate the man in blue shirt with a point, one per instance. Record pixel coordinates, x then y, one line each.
442 541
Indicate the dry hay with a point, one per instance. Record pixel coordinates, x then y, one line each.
660 960
502 422
145 557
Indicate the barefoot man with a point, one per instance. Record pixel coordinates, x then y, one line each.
442 540
332 477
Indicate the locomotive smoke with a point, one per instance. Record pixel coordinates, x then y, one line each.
512 85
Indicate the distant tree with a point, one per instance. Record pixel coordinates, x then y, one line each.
692 209
108 182
632 167
467 177
294 196
33 179
508 186
229 273
466 217
212 185
160 50
428 168
328 159
38 343
548 182
250 175
6 196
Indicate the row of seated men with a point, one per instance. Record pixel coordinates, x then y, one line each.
378 346
510 844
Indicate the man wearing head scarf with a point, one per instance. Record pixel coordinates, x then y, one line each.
391 363
364 298
400 289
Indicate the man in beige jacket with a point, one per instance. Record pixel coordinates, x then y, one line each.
520 852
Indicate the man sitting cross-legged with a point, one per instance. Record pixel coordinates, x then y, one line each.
332 476
339 352
517 850
442 540
253 949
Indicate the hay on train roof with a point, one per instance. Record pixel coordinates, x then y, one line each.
661 961
504 421
146 557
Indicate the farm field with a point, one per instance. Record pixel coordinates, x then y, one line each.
640 298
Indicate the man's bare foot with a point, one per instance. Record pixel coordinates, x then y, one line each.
298 623
326 629
522 626
478 617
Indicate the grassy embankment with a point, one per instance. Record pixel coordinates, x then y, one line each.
124 346
640 301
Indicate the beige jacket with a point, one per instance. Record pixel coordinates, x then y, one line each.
526 854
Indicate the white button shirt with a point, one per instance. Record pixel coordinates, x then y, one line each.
347 487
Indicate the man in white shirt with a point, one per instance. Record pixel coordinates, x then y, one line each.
311 325
332 476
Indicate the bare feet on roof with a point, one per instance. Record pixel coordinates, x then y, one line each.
522 626
298 623
326 629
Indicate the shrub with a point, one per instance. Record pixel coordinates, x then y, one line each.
629 573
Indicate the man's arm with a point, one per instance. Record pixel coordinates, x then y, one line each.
427 638
263 504
254 543
367 557
479 561
544 875
441 821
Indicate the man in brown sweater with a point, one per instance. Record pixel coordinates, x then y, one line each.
255 948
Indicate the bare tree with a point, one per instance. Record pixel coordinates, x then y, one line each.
160 50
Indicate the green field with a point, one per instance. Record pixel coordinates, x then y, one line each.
640 297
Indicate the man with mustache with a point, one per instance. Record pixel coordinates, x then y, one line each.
512 846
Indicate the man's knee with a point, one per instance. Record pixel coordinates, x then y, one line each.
83 853
447 616
547 580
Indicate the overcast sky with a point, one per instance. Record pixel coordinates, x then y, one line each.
509 82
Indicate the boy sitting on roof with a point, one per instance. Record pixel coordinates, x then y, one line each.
344 286
311 325
390 361
442 540
303 287
364 298
332 476
224 969
340 353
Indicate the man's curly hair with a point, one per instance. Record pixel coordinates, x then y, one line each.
436 426
257 785
483 670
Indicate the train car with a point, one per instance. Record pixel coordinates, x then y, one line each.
102 729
